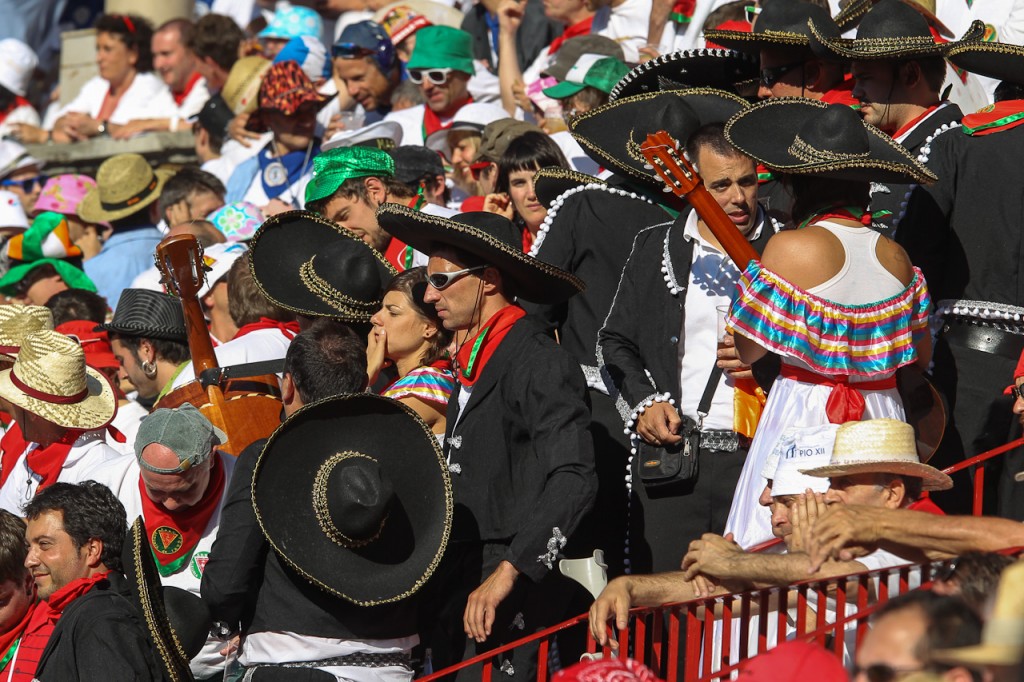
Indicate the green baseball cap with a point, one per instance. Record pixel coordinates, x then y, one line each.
596 70
335 166
74 277
442 47
185 431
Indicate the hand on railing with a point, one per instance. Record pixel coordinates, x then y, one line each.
712 556
614 603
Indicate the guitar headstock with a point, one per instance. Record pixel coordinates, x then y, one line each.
180 262
663 153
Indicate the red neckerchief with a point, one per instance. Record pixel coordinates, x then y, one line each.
580 28
9 639
478 349
289 329
18 102
994 118
925 504
173 536
527 240
44 619
432 122
179 97
12 446
845 402
46 462
843 94
917 119
395 254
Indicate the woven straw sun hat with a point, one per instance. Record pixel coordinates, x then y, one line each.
242 87
50 379
125 184
18 321
879 446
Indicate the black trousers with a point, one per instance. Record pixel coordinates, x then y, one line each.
664 520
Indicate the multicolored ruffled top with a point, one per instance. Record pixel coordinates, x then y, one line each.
832 338
431 383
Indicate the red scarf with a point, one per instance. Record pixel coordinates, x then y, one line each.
173 536
581 28
842 94
994 118
527 240
432 122
288 329
917 119
44 619
46 462
10 640
478 349
845 402
179 97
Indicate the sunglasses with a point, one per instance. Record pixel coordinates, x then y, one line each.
25 185
772 75
880 672
350 51
435 76
443 280
1016 392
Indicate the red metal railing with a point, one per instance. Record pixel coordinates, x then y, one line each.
979 471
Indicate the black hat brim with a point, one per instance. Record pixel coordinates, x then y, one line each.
554 181
288 240
866 49
612 133
766 131
745 41
1000 61
532 279
414 536
702 68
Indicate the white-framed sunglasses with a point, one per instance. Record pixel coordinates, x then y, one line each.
443 280
435 76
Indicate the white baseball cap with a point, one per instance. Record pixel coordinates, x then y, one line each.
17 63
219 258
474 116
381 130
802 448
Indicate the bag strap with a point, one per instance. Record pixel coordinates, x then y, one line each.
709 392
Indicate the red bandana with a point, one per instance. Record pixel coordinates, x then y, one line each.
46 462
179 97
432 122
478 349
40 626
994 118
843 94
581 28
288 329
917 119
173 536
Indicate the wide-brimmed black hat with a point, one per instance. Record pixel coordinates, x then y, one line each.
782 23
890 30
313 267
353 493
808 137
1001 61
148 314
612 134
489 236
854 11
703 68
551 182
147 593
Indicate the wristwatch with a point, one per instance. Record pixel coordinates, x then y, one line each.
102 129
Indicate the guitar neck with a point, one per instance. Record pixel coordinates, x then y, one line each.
728 235
199 344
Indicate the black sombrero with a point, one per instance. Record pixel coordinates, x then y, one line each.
489 236
550 183
704 68
612 133
851 14
1001 61
354 494
313 267
782 23
808 137
148 596
890 30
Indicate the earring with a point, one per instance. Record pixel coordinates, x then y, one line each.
149 369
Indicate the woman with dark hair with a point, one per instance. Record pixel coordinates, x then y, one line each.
515 197
125 89
408 333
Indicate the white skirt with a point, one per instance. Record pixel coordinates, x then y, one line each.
790 403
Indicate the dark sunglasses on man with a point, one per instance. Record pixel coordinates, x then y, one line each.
26 185
350 51
773 74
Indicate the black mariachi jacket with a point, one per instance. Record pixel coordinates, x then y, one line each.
639 342
520 453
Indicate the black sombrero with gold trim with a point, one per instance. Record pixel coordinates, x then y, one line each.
549 183
354 494
808 137
782 23
313 267
703 68
1001 61
890 30
850 15
489 236
612 133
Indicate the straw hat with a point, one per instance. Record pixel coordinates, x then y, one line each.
50 379
242 88
879 446
1002 638
18 321
126 184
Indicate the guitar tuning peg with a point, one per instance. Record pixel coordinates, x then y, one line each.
666 189
648 166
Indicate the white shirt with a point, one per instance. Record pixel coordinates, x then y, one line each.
146 97
122 477
627 24
22 114
256 346
127 420
88 451
222 167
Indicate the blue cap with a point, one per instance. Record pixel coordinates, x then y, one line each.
309 53
366 39
294 22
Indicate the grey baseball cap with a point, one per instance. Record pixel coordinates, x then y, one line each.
185 430
574 48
